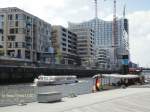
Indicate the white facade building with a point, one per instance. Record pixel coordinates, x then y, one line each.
85 45
65 45
24 36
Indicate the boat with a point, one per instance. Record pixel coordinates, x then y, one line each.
55 80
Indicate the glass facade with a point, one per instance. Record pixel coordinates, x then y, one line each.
103 35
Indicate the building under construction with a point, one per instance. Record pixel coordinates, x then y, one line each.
111 38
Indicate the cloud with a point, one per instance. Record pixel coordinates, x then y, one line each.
140 37
45 9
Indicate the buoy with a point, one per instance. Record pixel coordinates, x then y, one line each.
97 84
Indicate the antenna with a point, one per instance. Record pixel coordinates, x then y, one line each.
96 11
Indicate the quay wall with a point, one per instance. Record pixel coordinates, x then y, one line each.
21 74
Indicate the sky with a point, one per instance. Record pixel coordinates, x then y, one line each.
60 12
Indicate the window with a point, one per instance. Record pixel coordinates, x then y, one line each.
21 30
1 47
16 16
12 31
69 46
10 17
69 37
63 39
27 54
63 29
11 23
63 44
1 31
1 24
64 49
19 54
2 38
11 53
64 34
1 17
20 17
16 30
69 41
11 38
69 32
9 45
69 50
16 24
16 45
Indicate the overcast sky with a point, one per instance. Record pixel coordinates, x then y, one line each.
60 12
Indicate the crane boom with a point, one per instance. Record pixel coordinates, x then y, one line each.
96 11
114 35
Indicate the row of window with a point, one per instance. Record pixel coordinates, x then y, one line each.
16 30
16 17
65 30
64 44
69 50
15 24
13 54
16 45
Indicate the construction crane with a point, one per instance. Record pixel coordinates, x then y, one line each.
114 35
96 11
114 29
124 11
114 26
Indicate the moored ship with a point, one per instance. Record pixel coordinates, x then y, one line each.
55 80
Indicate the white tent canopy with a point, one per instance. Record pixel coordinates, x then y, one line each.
128 76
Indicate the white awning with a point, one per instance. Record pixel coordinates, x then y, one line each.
128 76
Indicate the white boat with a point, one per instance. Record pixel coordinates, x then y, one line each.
55 80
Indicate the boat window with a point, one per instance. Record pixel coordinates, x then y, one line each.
41 78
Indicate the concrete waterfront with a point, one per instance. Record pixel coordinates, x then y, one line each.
118 100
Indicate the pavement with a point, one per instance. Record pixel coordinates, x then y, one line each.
118 100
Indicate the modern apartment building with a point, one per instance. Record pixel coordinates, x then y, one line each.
85 45
103 38
65 45
24 36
